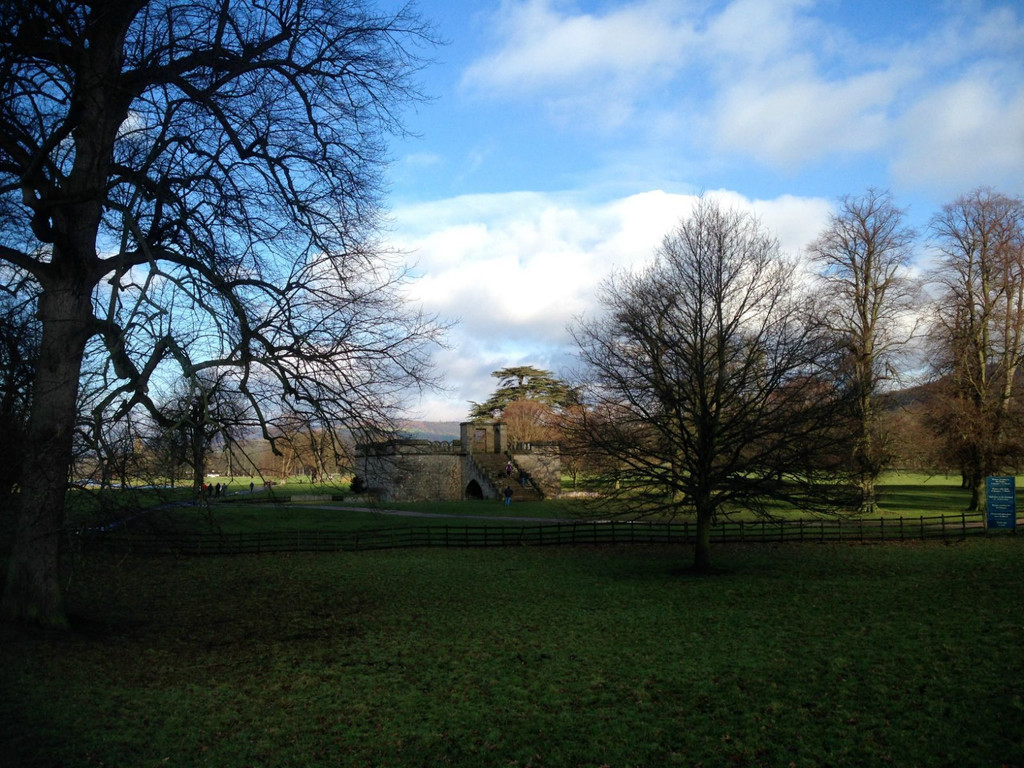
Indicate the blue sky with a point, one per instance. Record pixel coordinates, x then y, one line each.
564 138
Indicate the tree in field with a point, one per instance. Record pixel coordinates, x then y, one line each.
978 332
206 412
578 454
867 300
708 384
107 452
527 399
194 185
166 454
306 447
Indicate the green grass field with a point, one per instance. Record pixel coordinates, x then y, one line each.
803 655
903 495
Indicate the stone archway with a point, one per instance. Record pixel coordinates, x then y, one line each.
473 490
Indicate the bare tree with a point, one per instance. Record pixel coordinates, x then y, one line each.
19 342
530 421
868 300
978 332
708 384
196 184
307 447
205 411
166 454
579 457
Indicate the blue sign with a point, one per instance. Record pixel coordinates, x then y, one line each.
1001 502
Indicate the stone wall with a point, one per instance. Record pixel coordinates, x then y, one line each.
543 463
420 470
413 476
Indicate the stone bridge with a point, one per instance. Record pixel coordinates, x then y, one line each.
473 467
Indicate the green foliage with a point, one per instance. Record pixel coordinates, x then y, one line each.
794 655
523 382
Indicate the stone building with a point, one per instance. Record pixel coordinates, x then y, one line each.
474 467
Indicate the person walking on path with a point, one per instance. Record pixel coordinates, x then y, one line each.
508 495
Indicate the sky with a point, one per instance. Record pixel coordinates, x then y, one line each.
563 139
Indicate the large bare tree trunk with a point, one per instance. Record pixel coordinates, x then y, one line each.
32 593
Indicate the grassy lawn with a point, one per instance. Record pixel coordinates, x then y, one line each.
902 495
794 655
906 494
229 517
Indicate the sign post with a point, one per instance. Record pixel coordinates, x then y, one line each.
1001 503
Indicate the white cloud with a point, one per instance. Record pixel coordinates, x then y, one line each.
792 123
964 134
759 33
584 64
517 268
544 49
781 82
796 221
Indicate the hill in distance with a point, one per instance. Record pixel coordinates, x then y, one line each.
442 431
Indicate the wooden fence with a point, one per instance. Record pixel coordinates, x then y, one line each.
547 534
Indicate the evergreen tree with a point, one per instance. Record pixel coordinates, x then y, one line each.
523 382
